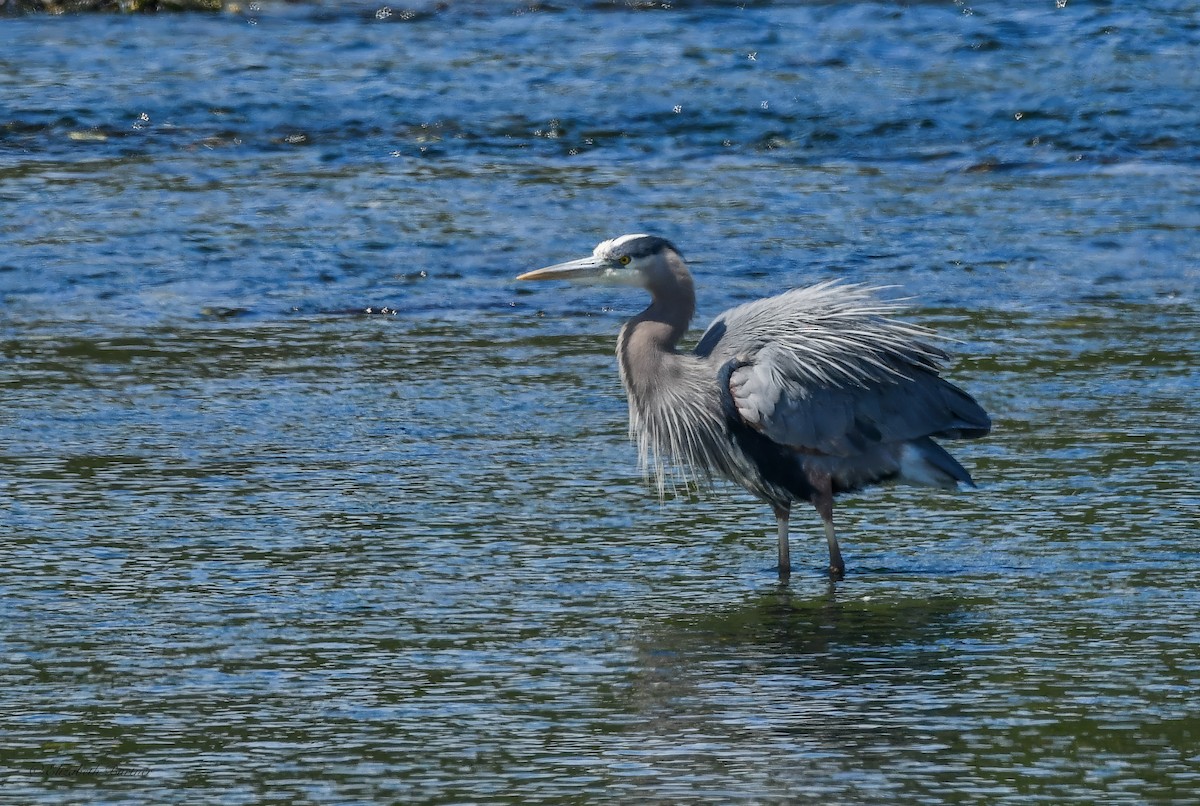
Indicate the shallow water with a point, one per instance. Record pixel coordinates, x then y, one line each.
306 500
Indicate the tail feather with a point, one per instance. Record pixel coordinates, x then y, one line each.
923 461
969 421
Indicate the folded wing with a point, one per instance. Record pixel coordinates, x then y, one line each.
826 370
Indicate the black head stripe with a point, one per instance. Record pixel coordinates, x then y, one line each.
647 245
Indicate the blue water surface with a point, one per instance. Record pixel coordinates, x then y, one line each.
305 500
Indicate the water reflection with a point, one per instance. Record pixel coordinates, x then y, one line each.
801 628
824 647
806 683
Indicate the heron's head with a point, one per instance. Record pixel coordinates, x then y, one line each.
642 260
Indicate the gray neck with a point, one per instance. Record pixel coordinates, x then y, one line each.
646 346
671 309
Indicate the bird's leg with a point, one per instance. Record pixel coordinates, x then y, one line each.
785 556
837 568
822 500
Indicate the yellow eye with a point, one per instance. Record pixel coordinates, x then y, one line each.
624 260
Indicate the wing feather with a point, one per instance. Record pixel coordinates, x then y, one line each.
826 369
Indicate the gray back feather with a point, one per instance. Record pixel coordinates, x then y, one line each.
826 369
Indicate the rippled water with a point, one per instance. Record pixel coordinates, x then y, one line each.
306 500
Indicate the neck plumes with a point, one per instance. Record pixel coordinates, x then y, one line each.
674 409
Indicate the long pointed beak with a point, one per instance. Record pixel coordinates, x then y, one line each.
585 268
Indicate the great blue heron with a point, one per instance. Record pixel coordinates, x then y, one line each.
796 397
